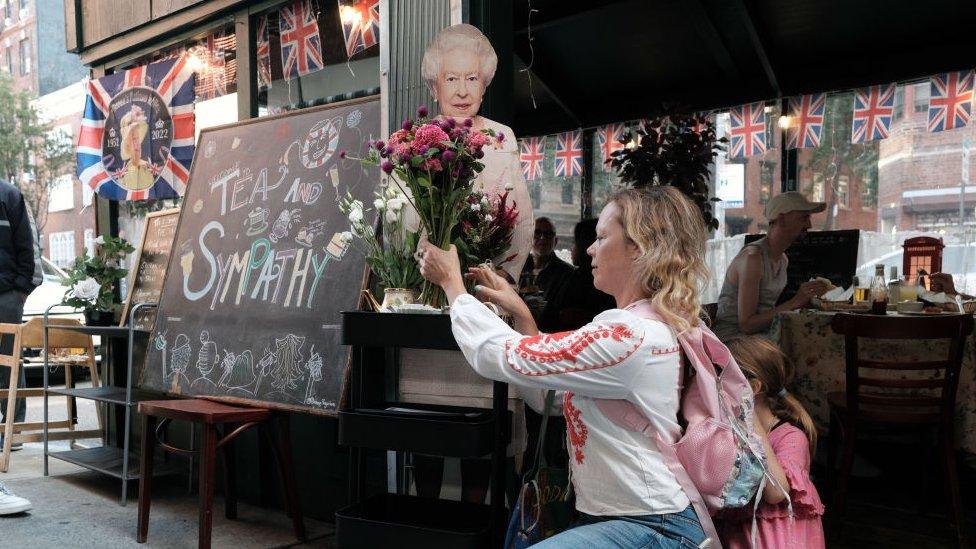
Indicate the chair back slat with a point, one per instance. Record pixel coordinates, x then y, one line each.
32 334
919 399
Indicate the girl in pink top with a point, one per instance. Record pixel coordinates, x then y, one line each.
789 435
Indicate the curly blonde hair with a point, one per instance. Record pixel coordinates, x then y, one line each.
668 229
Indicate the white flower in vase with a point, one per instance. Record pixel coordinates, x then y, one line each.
396 204
100 240
356 215
392 216
379 204
476 207
346 237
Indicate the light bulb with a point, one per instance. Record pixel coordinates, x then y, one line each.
194 63
350 15
785 121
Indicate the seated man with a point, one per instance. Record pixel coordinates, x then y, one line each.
579 300
757 275
548 271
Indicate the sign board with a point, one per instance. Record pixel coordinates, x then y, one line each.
259 272
149 267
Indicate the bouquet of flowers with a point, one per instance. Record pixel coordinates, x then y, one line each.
435 162
389 254
486 228
91 281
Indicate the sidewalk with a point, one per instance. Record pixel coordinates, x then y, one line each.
75 507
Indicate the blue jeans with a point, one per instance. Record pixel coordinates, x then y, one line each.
675 530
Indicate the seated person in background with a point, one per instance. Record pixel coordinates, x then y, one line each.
757 275
548 271
580 301
942 282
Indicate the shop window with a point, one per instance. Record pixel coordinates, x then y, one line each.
24 4
25 57
60 195
922 94
899 102
304 58
10 61
843 187
815 190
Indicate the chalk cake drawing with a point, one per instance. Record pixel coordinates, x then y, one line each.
257 220
307 233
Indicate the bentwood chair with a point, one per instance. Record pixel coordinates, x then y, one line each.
885 392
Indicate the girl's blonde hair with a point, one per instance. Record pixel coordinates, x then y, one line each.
764 362
668 229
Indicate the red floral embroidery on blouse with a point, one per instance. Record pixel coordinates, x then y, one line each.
575 427
565 348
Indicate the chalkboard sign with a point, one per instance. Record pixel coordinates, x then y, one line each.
259 270
149 268
830 254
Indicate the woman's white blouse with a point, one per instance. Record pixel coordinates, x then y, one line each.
617 356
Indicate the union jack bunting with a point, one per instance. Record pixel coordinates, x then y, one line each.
609 137
301 47
360 24
951 100
217 72
263 54
569 154
873 107
747 134
532 151
136 140
807 113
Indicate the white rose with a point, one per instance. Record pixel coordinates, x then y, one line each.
396 204
379 204
356 215
476 207
346 237
356 205
87 289
391 216
100 240
509 186
489 218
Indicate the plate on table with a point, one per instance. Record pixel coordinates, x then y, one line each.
922 313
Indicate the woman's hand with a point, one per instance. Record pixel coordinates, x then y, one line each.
492 287
441 267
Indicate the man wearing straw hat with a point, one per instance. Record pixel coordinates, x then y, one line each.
757 275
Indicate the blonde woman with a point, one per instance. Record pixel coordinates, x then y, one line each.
458 66
649 246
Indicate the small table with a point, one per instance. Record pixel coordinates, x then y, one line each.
818 355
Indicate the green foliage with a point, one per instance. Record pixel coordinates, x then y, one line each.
20 128
105 269
675 149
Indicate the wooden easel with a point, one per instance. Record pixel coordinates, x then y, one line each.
31 335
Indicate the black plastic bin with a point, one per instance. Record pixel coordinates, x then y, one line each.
455 431
411 522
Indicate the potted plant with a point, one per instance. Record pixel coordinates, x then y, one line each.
675 149
92 280
389 253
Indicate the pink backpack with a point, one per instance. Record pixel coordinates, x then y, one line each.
719 461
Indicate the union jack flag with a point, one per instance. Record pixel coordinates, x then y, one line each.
360 24
301 47
747 134
807 112
873 108
609 137
951 100
217 72
170 152
263 54
532 151
569 154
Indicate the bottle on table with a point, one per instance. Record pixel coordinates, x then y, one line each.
894 286
879 292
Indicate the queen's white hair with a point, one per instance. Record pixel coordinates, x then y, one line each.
453 38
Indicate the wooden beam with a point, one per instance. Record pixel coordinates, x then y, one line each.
748 23
698 17
72 25
153 31
247 85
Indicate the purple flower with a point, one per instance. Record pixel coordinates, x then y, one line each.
342 154
387 167
448 156
423 150
468 122
450 123
387 151
422 111
500 137
407 125
379 144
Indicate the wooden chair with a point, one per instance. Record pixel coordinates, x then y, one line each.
232 420
874 397
31 336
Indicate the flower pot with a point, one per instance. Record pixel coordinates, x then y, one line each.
95 317
395 297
